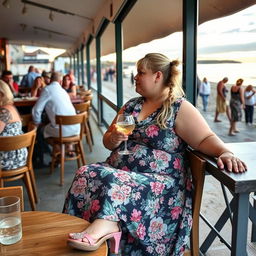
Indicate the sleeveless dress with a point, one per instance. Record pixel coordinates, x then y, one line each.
148 192
235 106
15 158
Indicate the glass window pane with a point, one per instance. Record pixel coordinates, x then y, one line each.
108 113
108 63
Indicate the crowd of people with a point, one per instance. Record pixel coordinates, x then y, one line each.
54 98
242 99
34 81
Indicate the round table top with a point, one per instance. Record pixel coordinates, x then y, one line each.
46 233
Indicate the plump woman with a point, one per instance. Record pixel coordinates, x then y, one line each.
145 197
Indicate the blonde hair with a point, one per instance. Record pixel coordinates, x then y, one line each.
6 96
159 62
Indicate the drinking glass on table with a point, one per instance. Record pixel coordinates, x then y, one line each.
10 220
125 124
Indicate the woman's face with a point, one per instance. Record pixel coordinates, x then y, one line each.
145 82
66 81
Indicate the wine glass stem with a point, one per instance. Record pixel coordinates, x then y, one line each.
125 145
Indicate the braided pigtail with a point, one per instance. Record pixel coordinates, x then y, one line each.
175 91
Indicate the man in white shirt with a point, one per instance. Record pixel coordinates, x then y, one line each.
55 101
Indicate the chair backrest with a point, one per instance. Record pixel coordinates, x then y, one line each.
71 120
86 97
13 191
197 167
26 119
26 140
82 107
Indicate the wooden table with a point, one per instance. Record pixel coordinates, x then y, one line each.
239 209
28 102
45 233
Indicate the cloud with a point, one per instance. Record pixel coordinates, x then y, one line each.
228 48
236 30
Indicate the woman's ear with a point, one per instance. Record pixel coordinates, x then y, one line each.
159 76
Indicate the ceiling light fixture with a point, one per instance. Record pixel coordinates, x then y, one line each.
47 7
51 16
24 9
6 3
23 26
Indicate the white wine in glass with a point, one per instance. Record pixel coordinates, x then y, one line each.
125 124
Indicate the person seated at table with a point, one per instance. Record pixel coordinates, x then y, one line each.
37 87
28 79
10 125
7 77
55 101
146 195
47 77
68 86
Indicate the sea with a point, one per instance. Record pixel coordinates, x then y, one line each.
216 72
234 71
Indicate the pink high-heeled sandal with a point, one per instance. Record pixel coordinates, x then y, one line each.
77 241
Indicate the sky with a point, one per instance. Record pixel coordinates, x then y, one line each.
230 38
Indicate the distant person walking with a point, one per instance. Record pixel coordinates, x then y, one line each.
132 78
221 103
236 105
250 101
204 92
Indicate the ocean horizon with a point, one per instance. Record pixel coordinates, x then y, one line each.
234 71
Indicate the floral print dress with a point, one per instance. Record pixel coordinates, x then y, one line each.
148 192
15 158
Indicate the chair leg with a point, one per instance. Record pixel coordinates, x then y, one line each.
90 129
29 188
88 136
62 161
78 153
33 182
80 145
1 183
54 156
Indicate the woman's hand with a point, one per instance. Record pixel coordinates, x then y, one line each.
232 163
117 137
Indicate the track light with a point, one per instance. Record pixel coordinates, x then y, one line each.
6 3
24 9
51 16
23 26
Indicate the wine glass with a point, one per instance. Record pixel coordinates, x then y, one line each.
125 124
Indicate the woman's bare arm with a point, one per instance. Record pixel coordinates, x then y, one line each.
193 129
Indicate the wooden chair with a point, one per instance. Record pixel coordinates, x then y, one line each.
63 141
26 120
197 167
8 143
81 108
88 98
13 191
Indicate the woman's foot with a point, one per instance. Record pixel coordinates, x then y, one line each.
232 134
99 228
217 120
97 233
236 131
